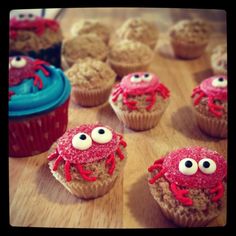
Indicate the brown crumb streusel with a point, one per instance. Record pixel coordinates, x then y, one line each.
90 74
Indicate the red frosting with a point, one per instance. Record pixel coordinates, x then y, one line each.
94 153
36 24
199 179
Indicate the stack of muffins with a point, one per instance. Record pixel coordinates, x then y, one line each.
189 183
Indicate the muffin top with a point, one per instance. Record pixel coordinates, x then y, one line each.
82 46
130 52
219 58
90 73
30 32
191 31
138 29
191 168
85 144
210 97
35 86
140 91
91 26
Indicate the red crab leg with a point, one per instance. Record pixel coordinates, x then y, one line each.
123 143
163 90
179 195
13 34
116 94
157 176
196 90
111 161
214 107
219 190
53 155
40 67
120 154
10 93
37 80
152 100
56 163
130 104
157 164
67 171
84 174
198 99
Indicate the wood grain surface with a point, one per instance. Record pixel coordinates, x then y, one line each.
37 199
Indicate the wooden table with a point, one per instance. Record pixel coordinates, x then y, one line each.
37 199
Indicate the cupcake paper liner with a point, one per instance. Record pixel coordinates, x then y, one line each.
52 54
33 135
123 69
93 97
138 121
186 51
212 126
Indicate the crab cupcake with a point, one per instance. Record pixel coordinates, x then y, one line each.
37 106
189 185
36 37
139 100
211 106
88 159
92 81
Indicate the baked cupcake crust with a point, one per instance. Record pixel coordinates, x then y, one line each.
219 59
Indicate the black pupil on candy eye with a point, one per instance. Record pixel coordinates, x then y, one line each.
30 15
21 15
206 164
136 76
18 58
82 137
221 79
188 164
146 75
101 131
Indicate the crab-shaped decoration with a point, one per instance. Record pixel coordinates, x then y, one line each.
139 83
87 144
194 167
214 89
22 68
31 22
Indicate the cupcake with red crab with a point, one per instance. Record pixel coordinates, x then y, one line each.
36 37
189 185
87 160
211 106
37 105
139 100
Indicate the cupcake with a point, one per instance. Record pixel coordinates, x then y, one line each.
36 37
189 184
138 29
210 106
128 56
88 159
37 105
82 46
189 38
139 100
91 26
91 80
219 60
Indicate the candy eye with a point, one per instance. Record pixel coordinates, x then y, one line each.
188 166
147 77
207 166
219 82
21 17
101 135
135 78
81 141
31 17
18 62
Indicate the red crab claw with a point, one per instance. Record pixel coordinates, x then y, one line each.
219 190
10 93
85 174
179 195
130 104
152 100
213 107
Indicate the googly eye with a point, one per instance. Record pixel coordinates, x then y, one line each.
135 78
147 77
18 62
101 135
81 141
219 82
188 166
21 17
31 16
207 165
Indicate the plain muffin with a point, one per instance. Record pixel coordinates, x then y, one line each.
219 59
